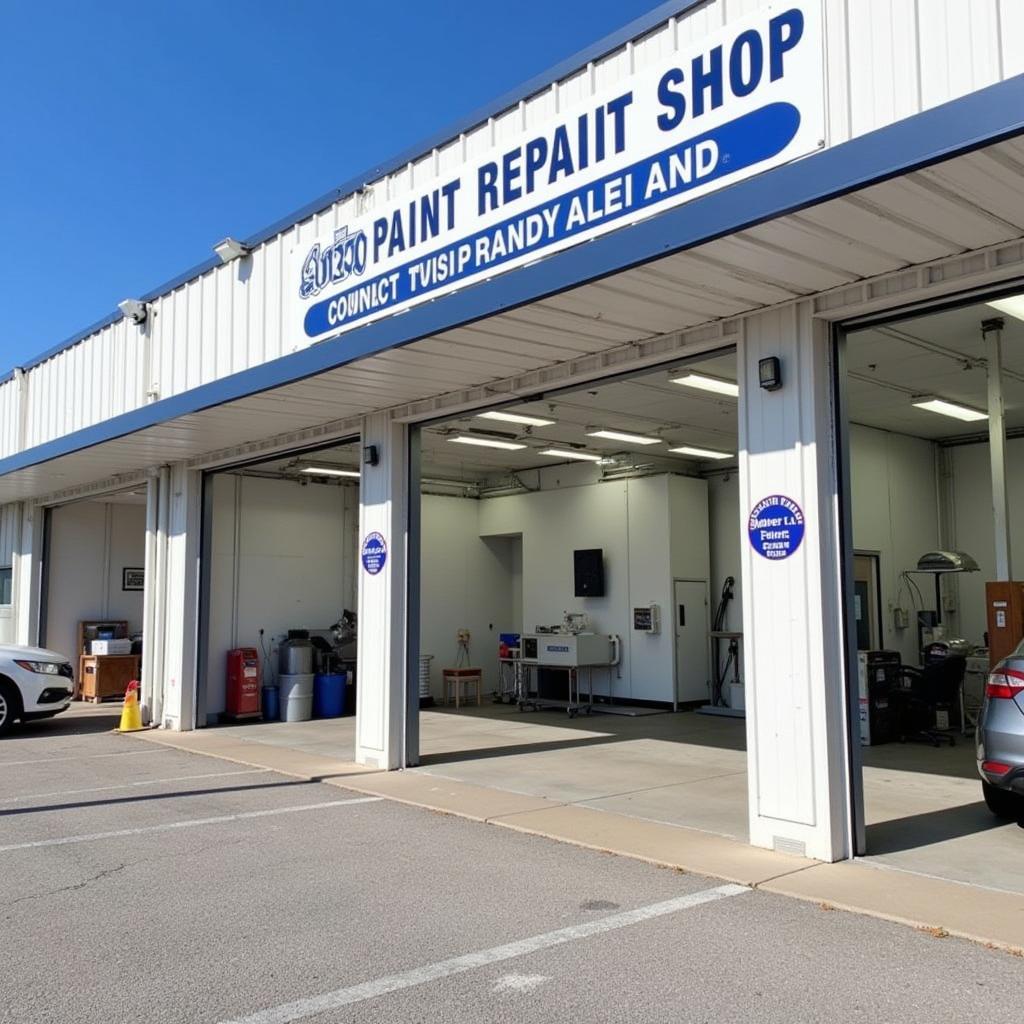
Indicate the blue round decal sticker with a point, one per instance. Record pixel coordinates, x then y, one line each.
776 526
374 553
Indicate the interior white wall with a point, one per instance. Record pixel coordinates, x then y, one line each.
282 556
90 543
468 582
973 530
649 528
895 514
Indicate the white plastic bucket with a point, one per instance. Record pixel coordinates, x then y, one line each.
296 696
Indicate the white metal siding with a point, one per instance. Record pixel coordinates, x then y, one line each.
10 518
886 60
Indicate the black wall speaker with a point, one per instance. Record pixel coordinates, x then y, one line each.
588 568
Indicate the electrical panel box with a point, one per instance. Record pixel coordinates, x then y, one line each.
647 619
901 618
1004 602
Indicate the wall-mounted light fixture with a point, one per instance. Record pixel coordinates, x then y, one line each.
134 310
769 373
230 249
371 455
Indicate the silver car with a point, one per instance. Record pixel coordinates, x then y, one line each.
1000 738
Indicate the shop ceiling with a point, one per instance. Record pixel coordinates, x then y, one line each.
966 203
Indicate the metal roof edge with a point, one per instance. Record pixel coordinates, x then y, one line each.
959 126
632 30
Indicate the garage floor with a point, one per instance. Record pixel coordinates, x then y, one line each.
924 807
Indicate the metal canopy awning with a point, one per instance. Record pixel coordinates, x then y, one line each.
923 189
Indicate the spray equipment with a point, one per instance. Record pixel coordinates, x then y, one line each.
721 670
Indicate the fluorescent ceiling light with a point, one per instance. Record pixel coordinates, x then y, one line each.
951 409
328 471
1012 306
705 383
486 442
571 453
515 417
618 435
701 453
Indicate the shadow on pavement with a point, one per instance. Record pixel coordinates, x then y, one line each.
932 827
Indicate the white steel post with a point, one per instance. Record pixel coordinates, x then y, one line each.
180 624
798 754
992 331
383 511
149 601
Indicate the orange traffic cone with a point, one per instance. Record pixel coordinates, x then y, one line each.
131 715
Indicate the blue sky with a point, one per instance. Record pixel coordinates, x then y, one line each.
136 135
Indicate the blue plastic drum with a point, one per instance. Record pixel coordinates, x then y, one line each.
271 704
328 696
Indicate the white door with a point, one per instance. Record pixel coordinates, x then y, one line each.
691 623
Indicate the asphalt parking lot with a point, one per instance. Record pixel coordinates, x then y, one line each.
141 883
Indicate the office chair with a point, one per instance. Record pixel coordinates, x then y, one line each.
921 692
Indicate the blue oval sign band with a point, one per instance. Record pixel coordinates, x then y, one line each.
374 553
776 527
730 148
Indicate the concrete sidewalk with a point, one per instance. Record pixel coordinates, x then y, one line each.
991 917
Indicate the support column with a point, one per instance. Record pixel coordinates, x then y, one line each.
149 598
796 701
383 526
176 656
992 331
26 575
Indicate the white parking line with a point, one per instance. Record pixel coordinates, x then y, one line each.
191 823
303 1008
83 757
130 785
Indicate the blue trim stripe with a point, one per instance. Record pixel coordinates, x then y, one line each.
959 126
634 30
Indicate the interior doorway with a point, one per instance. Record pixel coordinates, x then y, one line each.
867 600
692 630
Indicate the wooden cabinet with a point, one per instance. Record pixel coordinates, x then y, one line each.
106 675
103 675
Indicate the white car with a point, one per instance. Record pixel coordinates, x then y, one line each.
34 683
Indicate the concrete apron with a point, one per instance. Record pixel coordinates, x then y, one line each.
993 918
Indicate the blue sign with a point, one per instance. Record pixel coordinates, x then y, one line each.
776 527
374 553
732 104
743 143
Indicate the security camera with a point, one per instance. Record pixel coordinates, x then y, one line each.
134 310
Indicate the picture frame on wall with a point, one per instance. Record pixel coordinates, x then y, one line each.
133 579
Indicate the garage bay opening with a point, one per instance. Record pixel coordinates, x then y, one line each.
935 410
580 615
280 592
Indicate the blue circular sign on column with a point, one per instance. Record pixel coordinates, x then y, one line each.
776 527
374 553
